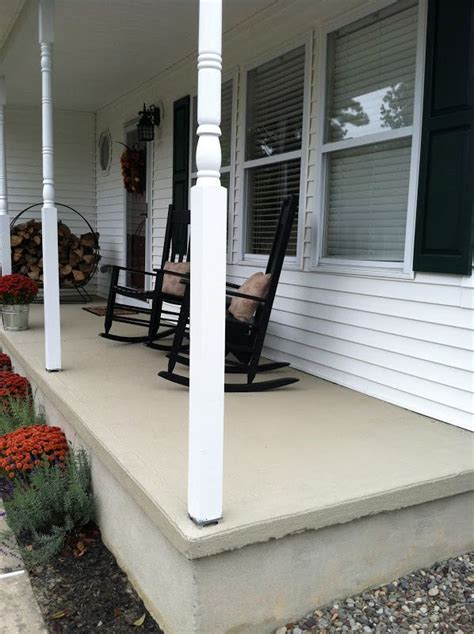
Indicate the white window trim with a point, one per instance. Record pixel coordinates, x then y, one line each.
227 169
253 259
364 267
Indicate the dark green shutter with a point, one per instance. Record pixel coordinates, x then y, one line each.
181 113
445 193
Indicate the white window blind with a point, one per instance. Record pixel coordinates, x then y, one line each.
373 75
371 88
267 186
367 197
273 142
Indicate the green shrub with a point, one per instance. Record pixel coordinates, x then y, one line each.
18 413
55 500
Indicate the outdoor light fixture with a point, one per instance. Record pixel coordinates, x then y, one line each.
149 118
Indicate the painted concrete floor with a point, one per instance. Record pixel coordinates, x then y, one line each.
308 456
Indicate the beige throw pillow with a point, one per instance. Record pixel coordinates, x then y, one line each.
171 283
257 285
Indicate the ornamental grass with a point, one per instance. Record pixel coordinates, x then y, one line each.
19 413
16 402
50 505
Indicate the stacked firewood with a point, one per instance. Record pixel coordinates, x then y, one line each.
77 255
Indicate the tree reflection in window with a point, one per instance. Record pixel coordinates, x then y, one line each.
353 114
396 110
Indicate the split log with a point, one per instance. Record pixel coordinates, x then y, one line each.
16 240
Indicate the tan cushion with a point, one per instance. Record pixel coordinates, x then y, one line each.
172 284
257 285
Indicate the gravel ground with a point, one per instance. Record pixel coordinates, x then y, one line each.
438 599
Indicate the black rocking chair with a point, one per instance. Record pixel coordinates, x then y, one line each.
175 249
244 339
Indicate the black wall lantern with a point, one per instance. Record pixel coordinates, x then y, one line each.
149 118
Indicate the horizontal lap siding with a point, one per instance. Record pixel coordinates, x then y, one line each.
74 159
409 342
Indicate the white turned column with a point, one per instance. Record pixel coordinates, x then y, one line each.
49 214
208 271
5 250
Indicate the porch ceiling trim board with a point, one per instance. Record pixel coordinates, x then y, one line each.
49 213
5 252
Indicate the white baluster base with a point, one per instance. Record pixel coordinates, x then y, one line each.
49 223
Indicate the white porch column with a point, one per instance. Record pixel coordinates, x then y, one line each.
49 214
208 271
5 252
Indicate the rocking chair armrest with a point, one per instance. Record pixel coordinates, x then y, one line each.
127 268
185 276
232 285
254 298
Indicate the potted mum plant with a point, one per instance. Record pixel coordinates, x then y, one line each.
16 294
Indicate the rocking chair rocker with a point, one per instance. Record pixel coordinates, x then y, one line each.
244 339
175 249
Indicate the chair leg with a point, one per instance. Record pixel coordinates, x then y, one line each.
178 339
109 315
155 317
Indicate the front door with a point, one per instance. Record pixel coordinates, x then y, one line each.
136 220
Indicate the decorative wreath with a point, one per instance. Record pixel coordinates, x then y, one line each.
133 162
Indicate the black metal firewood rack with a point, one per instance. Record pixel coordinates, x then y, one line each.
79 286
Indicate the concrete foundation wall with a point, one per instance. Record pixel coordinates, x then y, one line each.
263 586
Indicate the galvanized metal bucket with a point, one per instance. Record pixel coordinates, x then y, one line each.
15 316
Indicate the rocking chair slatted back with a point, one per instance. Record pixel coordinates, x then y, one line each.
176 242
278 253
247 345
175 249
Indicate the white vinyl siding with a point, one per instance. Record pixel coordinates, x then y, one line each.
74 159
273 145
407 341
371 67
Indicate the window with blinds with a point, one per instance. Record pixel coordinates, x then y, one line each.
370 91
273 143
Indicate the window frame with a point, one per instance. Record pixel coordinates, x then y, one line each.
319 261
232 76
255 259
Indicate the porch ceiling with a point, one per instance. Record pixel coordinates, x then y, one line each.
103 49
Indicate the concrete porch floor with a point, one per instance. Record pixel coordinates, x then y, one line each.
309 456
